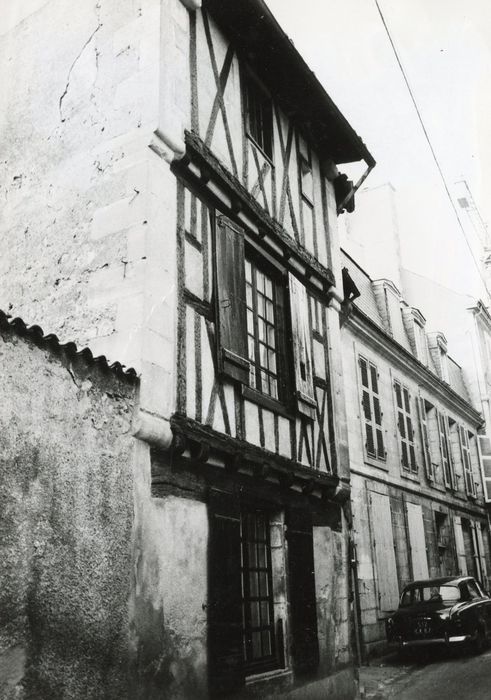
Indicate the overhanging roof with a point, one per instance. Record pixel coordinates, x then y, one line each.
268 50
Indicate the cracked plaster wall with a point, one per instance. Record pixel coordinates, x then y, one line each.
79 184
66 514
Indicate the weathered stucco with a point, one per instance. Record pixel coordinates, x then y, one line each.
65 525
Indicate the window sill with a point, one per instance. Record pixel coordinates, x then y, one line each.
265 401
410 477
379 463
268 675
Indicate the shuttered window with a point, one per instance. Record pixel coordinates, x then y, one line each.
251 295
445 450
425 439
372 414
405 426
470 486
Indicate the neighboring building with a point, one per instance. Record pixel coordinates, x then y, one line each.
176 209
451 281
416 487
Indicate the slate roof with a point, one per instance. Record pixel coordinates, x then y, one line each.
367 304
70 349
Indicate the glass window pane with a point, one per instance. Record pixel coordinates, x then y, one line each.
253 587
261 560
269 311
263 583
272 361
249 296
269 288
256 645
250 321
261 327
271 337
263 355
265 613
248 272
273 388
252 555
264 383
251 348
255 619
266 639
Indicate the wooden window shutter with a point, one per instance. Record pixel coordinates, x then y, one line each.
484 442
302 355
303 606
225 632
383 544
423 427
231 301
482 556
459 545
417 541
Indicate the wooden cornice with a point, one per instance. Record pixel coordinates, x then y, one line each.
200 442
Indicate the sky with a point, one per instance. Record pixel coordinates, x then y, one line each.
445 49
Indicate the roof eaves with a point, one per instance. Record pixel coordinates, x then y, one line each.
52 343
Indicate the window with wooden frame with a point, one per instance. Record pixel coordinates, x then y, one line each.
257 592
249 579
305 170
405 426
251 293
258 115
425 438
470 487
264 304
372 414
447 468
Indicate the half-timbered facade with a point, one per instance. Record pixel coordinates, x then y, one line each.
258 428
416 468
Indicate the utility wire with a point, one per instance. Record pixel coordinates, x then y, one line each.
435 158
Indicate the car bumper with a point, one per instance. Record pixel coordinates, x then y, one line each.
431 641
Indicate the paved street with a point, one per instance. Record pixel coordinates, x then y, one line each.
441 676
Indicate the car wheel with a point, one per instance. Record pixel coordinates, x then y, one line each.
480 641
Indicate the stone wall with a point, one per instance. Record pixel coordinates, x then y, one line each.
66 512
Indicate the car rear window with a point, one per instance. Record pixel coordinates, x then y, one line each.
444 595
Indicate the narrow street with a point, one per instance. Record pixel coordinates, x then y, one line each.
439 676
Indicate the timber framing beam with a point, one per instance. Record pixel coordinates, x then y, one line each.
201 444
203 169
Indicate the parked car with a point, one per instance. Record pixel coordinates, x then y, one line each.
446 611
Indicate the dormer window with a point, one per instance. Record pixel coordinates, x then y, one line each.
259 116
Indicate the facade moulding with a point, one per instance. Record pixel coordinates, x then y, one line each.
439 497
402 359
153 429
166 147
